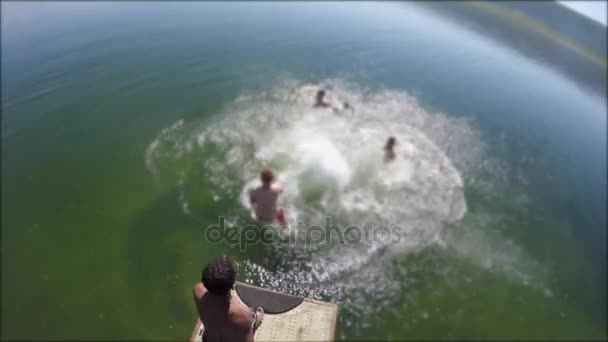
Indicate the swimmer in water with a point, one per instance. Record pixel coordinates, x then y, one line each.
264 199
389 149
320 100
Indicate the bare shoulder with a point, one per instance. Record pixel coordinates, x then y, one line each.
199 290
240 312
277 187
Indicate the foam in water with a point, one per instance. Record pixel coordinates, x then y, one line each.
331 164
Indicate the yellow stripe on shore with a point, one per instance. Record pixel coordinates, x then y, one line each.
540 28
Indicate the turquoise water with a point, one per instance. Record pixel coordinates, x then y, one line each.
128 128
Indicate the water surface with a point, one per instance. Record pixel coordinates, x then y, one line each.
129 127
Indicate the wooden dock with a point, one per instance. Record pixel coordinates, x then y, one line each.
286 317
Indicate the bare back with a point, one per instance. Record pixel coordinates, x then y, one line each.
264 200
225 318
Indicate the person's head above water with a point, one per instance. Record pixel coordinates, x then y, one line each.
389 152
219 276
320 94
320 98
267 177
390 143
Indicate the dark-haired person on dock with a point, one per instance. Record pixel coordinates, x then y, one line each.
224 316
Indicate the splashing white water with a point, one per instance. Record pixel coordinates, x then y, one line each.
331 164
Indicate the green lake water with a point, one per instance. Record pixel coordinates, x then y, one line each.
128 128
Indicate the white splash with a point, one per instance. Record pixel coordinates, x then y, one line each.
331 164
